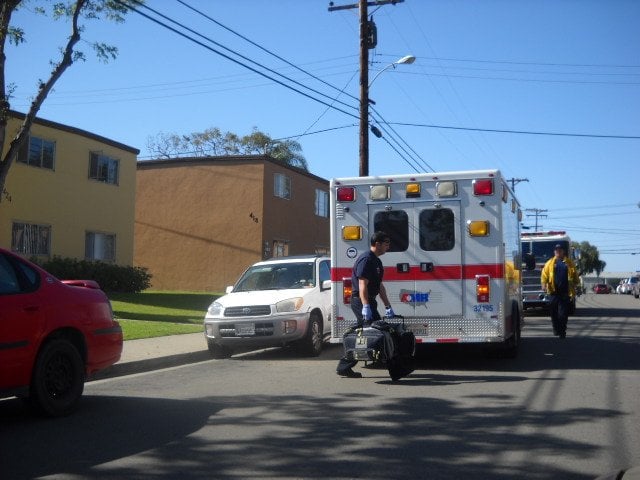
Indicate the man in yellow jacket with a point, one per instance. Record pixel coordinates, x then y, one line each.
559 279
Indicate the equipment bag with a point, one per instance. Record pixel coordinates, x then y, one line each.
384 343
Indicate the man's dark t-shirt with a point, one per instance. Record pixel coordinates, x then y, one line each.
368 266
561 277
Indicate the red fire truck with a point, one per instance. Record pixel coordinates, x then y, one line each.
540 245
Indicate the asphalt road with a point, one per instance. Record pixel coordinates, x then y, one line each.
564 409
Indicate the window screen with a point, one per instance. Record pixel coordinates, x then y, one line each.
395 224
437 232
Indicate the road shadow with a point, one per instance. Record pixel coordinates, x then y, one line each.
539 350
293 436
103 429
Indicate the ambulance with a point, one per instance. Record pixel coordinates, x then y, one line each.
453 269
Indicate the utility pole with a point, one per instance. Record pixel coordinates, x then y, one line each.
367 41
515 181
537 213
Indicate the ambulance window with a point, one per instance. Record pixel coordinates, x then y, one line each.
437 231
396 224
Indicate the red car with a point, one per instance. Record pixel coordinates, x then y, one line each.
601 288
53 334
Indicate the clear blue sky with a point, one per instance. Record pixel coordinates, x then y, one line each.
567 72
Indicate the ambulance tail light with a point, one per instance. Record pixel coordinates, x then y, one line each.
352 232
482 187
346 194
347 290
478 228
483 290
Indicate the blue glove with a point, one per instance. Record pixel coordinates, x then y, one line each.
367 314
388 312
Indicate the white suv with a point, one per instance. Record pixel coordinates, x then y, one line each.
629 283
274 303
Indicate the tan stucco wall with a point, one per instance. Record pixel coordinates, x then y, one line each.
195 223
294 220
67 200
201 222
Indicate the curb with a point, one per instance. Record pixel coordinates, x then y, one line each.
140 366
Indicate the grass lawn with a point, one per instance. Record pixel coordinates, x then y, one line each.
155 314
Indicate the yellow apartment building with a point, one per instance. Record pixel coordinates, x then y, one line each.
200 222
69 193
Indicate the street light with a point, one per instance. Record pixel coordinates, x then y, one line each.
364 105
406 60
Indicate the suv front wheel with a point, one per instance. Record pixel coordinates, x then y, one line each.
311 344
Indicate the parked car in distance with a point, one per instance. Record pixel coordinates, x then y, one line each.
53 334
628 285
283 301
636 288
601 288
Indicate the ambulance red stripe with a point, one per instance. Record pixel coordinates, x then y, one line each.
440 272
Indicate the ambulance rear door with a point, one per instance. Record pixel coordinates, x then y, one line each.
423 266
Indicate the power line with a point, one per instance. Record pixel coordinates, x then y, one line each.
547 64
132 8
395 135
519 132
529 80
384 123
265 49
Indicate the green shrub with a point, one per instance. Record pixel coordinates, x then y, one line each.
110 277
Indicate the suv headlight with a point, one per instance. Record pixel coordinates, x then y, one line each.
215 309
289 305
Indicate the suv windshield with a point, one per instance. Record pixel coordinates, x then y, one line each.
277 276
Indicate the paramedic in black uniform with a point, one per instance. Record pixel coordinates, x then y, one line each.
366 278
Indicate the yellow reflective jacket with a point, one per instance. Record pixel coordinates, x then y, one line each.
547 280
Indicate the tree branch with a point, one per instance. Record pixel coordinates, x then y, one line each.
43 91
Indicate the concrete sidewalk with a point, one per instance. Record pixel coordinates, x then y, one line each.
159 352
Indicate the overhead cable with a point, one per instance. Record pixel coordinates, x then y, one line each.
132 8
520 132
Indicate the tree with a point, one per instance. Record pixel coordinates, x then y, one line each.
75 11
212 142
588 259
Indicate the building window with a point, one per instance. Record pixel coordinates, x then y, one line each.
282 186
100 246
38 152
103 168
322 203
31 239
280 248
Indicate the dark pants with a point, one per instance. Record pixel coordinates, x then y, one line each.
559 309
356 306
